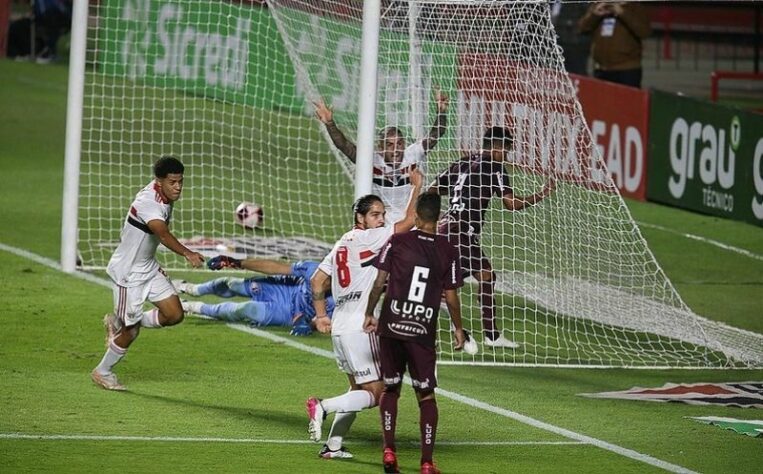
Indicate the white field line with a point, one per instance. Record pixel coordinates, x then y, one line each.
699 238
629 453
188 439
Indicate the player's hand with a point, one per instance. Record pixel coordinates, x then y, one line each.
323 112
322 324
602 9
416 177
442 99
223 261
300 326
460 339
370 324
194 258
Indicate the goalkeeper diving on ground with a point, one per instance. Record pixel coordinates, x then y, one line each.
283 298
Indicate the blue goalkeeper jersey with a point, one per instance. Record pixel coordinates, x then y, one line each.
287 295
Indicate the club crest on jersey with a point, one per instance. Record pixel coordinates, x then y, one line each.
409 310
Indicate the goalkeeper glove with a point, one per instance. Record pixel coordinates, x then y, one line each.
223 261
301 326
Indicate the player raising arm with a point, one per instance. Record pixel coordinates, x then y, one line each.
350 268
418 266
136 274
282 299
393 158
470 184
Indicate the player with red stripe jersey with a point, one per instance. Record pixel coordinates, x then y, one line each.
137 275
393 159
349 267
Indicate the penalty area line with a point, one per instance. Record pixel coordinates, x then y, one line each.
191 439
583 439
580 438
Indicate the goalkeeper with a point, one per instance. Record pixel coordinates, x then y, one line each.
284 298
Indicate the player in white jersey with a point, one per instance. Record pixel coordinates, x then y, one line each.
394 159
351 273
137 275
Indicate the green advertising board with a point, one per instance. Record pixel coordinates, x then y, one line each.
234 52
706 157
223 50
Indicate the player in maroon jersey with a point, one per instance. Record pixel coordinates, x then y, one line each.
470 184
418 266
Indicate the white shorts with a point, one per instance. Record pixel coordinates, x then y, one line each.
357 354
128 301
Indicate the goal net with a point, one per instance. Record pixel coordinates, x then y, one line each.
228 87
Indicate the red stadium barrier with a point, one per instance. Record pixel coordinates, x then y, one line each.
716 76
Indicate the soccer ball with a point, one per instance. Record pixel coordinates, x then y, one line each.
248 215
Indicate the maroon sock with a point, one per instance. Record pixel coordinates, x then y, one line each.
388 411
428 426
487 307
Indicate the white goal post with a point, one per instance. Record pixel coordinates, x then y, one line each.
229 87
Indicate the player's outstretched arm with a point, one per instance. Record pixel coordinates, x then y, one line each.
517 203
417 181
440 122
162 232
342 143
268 267
318 284
454 308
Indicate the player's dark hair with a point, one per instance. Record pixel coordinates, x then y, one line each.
387 131
497 134
428 207
363 204
168 165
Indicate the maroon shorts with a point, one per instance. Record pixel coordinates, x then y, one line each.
396 355
471 258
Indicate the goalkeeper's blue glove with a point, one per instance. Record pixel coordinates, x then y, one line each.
223 261
301 326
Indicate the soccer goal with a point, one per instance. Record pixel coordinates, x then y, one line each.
228 88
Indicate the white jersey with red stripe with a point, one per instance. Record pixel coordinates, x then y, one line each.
350 265
134 261
392 184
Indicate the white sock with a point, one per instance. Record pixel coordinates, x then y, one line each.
113 355
339 428
354 400
150 319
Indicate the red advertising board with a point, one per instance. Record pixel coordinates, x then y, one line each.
618 117
540 107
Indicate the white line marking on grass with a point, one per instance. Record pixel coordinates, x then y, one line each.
699 238
173 439
629 453
189 439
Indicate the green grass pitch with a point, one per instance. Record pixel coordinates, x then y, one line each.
206 398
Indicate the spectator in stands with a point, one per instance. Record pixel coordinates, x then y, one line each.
52 18
617 29
576 47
